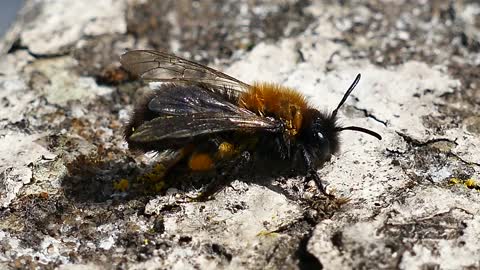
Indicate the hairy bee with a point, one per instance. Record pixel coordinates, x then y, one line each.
216 122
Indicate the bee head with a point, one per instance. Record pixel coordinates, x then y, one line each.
321 135
322 132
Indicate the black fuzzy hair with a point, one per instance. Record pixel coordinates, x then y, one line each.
326 123
139 115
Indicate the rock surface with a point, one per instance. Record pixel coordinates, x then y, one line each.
414 197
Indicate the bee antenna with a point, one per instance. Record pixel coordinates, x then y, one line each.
349 91
360 129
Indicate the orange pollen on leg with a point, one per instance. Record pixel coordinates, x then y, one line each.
200 162
225 150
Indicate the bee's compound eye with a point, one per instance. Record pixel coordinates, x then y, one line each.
322 146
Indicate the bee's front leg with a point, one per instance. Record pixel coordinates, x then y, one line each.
312 172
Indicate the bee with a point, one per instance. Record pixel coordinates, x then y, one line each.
218 123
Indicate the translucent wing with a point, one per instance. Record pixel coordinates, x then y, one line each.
188 112
166 128
164 67
185 100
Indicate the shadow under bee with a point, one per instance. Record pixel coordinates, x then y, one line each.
97 179
92 178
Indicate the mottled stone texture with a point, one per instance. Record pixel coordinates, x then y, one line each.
414 198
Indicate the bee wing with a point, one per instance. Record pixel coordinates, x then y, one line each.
164 67
187 112
186 100
193 125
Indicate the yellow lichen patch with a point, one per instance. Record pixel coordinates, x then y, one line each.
159 168
151 177
121 185
267 234
469 183
454 181
225 150
154 180
155 175
200 162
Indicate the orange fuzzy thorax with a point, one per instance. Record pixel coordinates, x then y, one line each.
268 99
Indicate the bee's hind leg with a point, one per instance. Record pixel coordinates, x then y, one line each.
225 175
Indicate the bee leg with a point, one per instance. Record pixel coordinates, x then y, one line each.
313 175
312 172
174 160
283 144
224 178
